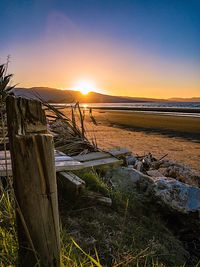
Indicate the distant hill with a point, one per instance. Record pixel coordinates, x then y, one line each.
54 95
179 99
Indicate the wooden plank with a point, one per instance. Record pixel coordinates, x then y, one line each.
71 165
2 154
65 163
116 152
68 165
63 158
58 155
101 162
4 172
71 183
92 156
4 162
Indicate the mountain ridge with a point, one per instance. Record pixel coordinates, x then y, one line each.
56 95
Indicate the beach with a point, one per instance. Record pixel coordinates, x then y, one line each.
176 136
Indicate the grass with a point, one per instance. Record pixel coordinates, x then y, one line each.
94 181
8 236
69 132
130 233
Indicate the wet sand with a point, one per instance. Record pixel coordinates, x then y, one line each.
173 126
176 136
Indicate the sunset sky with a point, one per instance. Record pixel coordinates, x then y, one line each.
147 48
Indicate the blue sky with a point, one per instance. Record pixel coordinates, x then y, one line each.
163 34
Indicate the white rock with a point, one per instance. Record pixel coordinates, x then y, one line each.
176 195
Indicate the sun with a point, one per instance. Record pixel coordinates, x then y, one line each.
85 87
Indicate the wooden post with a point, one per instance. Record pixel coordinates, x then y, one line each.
34 180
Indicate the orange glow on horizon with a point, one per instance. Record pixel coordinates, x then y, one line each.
115 71
85 86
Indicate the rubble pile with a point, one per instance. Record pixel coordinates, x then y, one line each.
167 183
163 168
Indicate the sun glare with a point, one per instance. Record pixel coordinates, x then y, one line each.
85 87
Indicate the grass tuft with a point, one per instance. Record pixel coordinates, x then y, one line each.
8 236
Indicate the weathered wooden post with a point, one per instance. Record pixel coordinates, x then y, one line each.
34 180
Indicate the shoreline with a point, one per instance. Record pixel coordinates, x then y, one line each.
156 109
122 107
153 131
171 126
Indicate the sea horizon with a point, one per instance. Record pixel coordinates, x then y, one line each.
186 109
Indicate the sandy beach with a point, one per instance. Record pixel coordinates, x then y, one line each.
160 136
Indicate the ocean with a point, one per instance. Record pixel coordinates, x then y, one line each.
186 109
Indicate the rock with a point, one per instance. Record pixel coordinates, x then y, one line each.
127 179
154 173
138 166
162 170
181 173
130 160
167 163
164 163
176 195
178 171
147 161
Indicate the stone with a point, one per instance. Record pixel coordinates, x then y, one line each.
165 191
155 173
181 173
130 160
138 166
163 171
127 179
176 195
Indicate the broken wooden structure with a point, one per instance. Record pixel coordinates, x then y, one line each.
66 163
33 163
